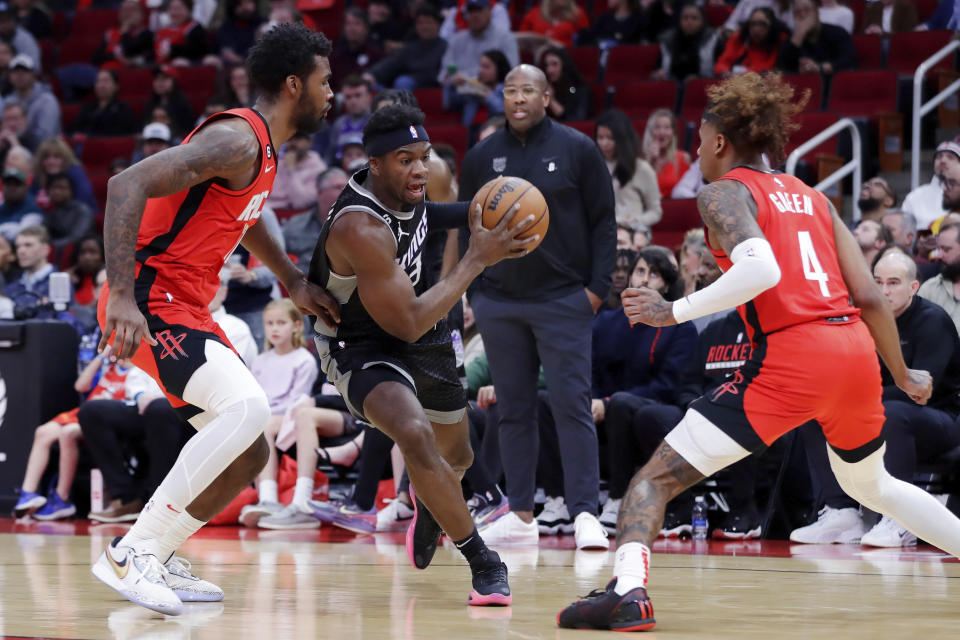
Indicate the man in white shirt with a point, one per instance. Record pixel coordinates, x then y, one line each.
238 333
926 201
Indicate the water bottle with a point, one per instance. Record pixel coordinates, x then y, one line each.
87 351
699 519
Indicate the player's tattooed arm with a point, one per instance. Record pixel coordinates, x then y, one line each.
728 210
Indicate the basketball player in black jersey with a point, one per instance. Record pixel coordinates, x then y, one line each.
391 356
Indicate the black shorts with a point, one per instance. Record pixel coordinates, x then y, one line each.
429 370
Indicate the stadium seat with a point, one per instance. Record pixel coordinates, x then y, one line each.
587 61
48 54
630 62
695 98
810 125
68 114
453 134
77 50
61 26
199 79
863 93
586 127
925 9
679 216
869 51
99 152
640 99
909 49
431 103
285 214
804 81
134 83
717 14
600 99
93 22
858 7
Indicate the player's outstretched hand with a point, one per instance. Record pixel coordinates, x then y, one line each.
124 318
491 246
918 385
314 300
647 306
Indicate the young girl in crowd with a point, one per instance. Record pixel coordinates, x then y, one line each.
285 370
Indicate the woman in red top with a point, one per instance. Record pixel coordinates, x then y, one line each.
660 149
185 40
557 20
754 47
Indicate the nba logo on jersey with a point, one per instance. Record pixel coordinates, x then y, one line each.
413 132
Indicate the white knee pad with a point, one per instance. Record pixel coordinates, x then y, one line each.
703 444
866 481
222 381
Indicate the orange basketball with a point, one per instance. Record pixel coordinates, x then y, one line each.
497 196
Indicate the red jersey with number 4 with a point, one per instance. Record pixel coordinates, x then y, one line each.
185 238
797 223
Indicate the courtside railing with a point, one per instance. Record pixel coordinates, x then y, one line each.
920 110
854 166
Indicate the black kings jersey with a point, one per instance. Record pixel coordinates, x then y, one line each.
409 229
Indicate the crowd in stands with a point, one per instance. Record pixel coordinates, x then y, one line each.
88 89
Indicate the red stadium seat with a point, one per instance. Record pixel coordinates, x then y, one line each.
695 98
48 55
69 113
599 99
285 214
587 61
863 93
717 14
925 9
134 82
76 50
640 99
679 216
93 22
431 103
586 127
909 49
454 135
869 51
197 80
630 62
858 7
804 81
810 125
99 152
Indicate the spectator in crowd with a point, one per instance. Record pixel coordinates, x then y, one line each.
686 51
142 424
41 107
464 48
689 259
34 17
486 90
238 93
457 20
20 158
416 64
19 38
743 11
238 31
99 379
873 237
7 54
913 433
512 298
661 150
944 288
754 47
184 40
302 231
569 93
167 94
690 183
353 53
633 236
33 286
130 43
386 30
944 17
237 331
886 17
154 139
556 22
286 370
12 129
85 275
816 47
9 269
876 198
624 23
833 12
19 210
634 181
67 219
54 156
491 126
352 155
105 115
297 171
926 201
357 98
902 227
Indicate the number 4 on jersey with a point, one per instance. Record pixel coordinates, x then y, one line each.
811 265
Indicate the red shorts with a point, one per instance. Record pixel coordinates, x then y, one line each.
67 417
826 372
181 333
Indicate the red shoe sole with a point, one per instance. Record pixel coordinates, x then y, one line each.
646 626
492 600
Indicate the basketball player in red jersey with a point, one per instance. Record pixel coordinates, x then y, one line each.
791 265
172 221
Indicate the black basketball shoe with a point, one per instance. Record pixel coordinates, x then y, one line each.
490 586
423 535
605 609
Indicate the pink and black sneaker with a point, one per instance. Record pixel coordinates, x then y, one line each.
490 587
423 535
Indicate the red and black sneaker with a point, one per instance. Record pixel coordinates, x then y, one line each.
423 535
605 609
490 587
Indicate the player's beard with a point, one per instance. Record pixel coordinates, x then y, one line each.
305 118
951 271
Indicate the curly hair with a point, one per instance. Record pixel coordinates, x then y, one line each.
394 96
391 118
285 50
755 112
658 261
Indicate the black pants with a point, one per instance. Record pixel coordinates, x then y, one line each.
486 469
913 434
113 430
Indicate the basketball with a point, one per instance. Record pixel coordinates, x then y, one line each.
497 196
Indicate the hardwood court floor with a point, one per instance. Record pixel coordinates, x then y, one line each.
331 584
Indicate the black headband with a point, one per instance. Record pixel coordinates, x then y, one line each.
386 142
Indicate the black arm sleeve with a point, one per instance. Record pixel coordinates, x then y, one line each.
448 215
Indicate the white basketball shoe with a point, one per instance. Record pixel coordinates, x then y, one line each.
140 578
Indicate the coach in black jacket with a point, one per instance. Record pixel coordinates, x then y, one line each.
538 309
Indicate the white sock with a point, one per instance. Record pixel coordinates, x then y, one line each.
183 527
631 566
267 490
303 492
155 520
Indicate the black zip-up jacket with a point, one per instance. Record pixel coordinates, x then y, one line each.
579 249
